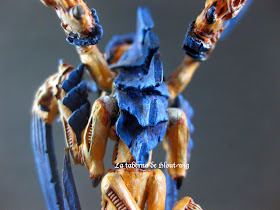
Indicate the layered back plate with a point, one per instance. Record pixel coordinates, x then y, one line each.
141 94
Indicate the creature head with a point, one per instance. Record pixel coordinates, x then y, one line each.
79 22
204 32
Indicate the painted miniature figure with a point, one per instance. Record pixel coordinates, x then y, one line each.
133 109
134 115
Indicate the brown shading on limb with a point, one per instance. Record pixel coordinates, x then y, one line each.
67 11
97 66
74 15
115 194
96 135
132 188
156 190
178 81
46 99
176 143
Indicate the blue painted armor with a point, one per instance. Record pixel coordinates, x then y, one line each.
139 89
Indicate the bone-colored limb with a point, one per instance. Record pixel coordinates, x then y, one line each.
96 134
156 188
97 66
65 12
90 55
115 194
176 143
182 76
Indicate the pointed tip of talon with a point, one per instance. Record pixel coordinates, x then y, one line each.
179 182
95 182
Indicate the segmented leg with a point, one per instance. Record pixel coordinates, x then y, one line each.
176 144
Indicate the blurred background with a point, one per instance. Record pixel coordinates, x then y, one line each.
235 95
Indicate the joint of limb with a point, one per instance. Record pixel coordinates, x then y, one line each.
97 66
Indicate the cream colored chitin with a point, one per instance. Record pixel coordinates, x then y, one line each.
147 185
133 189
76 17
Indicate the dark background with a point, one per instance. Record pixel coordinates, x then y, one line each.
235 94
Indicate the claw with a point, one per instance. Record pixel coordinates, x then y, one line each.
179 182
95 182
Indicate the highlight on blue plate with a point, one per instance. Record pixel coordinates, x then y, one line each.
76 100
139 89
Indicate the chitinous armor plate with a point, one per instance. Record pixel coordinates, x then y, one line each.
141 94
